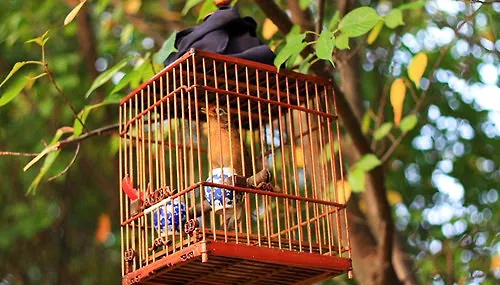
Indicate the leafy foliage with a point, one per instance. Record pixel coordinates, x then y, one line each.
106 76
74 12
359 21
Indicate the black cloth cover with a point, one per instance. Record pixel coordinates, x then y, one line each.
224 32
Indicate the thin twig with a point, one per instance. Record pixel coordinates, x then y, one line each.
68 166
412 90
71 140
12 153
66 100
96 132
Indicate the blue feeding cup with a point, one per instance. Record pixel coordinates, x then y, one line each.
222 198
170 216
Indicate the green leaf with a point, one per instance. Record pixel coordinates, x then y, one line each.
114 98
41 40
147 71
166 49
334 21
294 45
53 146
325 45
124 81
69 18
136 80
190 4
77 126
412 5
13 90
359 21
14 69
357 180
342 41
303 4
367 162
294 41
126 33
305 64
207 8
100 6
394 18
365 122
292 61
106 76
408 123
383 131
47 163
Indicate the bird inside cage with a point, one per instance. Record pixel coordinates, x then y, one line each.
227 149
231 163
228 156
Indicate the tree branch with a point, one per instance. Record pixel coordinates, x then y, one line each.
304 18
12 153
93 133
321 12
276 14
69 141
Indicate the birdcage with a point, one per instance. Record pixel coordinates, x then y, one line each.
231 173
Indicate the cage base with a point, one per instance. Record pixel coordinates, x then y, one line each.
217 262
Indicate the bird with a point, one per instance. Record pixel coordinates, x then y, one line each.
226 147
226 151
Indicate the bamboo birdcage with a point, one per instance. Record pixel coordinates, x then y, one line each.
286 122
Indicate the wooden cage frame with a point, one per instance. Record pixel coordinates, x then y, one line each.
295 235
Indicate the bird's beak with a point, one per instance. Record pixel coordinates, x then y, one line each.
203 110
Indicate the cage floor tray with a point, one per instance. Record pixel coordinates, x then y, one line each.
228 263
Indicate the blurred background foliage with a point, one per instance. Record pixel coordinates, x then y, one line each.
442 180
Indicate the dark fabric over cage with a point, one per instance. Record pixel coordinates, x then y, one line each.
224 32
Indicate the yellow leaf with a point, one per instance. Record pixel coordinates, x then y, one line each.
416 68
495 262
394 197
488 34
398 92
374 33
299 156
342 193
268 29
69 18
103 228
132 6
